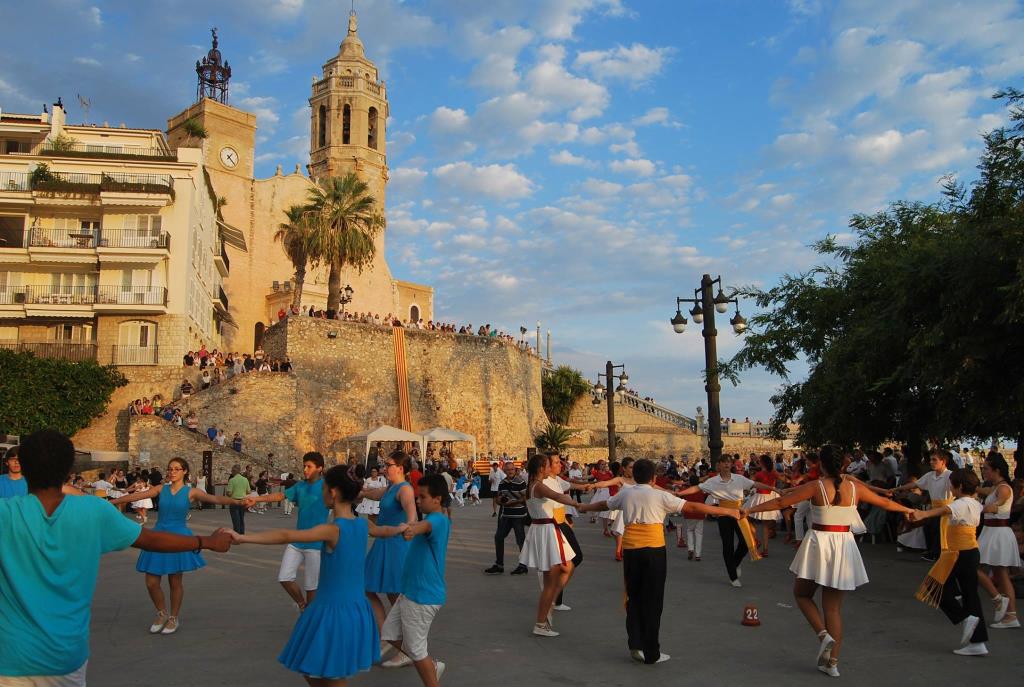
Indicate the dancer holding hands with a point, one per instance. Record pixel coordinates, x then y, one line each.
828 557
176 498
997 543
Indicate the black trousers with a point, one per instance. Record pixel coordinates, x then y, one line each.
932 537
644 571
577 550
732 552
505 525
237 518
963 581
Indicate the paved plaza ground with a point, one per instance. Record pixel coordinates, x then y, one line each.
236 619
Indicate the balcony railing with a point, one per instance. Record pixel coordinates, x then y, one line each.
130 238
134 355
61 238
223 297
115 182
224 256
132 295
88 150
65 350
13 181
48 295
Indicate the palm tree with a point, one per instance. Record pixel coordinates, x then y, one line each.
294 237
344 224
554 436
194 131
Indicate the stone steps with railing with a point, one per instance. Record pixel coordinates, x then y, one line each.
657 411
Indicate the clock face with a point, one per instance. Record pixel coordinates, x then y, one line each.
229 157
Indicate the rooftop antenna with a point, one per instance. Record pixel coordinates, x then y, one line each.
86 104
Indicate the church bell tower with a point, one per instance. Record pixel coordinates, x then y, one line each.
349 111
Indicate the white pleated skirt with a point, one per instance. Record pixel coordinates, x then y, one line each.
831 559
998 546
545 547
757 499
368 507
602 494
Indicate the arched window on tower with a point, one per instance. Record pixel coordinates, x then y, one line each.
322 127
371 129
346 124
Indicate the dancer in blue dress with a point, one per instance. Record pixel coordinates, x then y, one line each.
336 636
175 499
386 559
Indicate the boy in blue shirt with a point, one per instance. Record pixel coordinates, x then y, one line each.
423 588
13 483
308 495
52 544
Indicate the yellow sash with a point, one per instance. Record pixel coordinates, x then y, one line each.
745 529
640 536
558 514
958 538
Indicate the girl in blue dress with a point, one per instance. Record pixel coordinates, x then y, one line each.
386 559
337 635
176 498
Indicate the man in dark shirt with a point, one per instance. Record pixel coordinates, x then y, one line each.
511 516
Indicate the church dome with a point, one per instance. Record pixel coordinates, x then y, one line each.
352 46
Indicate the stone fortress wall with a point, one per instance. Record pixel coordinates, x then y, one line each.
346 384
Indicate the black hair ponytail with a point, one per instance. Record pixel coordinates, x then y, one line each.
829 457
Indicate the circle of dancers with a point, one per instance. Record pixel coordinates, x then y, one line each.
53 541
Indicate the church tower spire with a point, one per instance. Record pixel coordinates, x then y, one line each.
348 118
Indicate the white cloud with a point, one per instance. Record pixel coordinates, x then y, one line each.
500 182
263 108
564 157
880 148
643 168
548 79
267 62
601 187
445 120
94 16
636 63
656 115
404 179
87 61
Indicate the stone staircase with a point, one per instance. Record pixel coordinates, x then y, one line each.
659 412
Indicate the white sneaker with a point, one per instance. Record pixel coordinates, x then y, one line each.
637 655
172 625
736 583
543 630
1006 624
825 649
978 649
967 627
399 661
161 620
663 658
562 607
439 667
831 669
1002 603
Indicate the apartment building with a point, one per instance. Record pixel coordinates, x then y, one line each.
110 243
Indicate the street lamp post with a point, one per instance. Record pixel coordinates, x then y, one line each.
609 395
704 306
345 297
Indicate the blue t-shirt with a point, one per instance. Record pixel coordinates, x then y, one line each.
12 487
423 574
312 511
48 577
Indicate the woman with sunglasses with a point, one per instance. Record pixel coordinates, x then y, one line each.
176 498
386 557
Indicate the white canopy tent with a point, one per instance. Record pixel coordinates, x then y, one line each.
386 433
445 434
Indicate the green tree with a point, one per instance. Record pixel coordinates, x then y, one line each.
554 436
344 224
914 330
294 237
560 390
47 392
194 131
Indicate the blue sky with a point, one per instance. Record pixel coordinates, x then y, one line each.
580 162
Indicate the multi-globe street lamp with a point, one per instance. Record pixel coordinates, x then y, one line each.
705 304
345 297
609 395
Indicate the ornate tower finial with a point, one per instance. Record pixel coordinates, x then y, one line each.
214 74
352 22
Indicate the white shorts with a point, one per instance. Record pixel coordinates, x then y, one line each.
409 623
293 556
75 679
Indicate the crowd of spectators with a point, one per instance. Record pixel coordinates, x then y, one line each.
218 366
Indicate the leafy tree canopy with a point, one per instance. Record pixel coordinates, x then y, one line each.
917 328
560 390
41 393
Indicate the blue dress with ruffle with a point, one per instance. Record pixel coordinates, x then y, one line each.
170 518
336 636
386 558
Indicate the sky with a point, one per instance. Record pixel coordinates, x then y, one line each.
580 163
